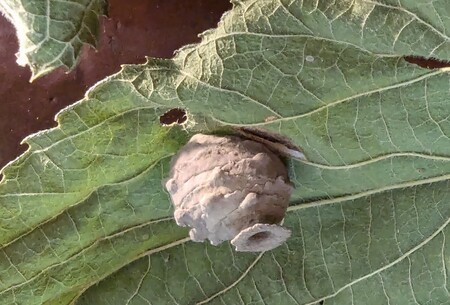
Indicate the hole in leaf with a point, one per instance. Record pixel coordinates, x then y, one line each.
258 236
173 116
321 302
428 63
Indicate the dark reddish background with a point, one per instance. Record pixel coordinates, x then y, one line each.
134 29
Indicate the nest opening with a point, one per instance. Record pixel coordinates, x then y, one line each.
258 237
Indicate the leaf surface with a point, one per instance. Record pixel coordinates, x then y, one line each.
371 210
51 33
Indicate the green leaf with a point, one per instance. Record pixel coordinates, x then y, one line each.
86 198
51 33
371 209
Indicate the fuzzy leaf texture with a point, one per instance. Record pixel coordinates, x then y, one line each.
51 33
371 210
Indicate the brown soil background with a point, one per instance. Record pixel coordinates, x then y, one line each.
133 29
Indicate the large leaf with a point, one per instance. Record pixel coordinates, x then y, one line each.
51 33
371 209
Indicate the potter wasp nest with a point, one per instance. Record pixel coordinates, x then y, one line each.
230 188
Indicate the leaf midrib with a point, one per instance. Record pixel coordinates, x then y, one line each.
341 101
374 160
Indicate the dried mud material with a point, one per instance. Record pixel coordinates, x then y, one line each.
230 188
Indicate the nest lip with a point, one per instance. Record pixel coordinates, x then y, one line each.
260 237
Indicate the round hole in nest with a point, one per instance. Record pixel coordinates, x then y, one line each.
259 236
